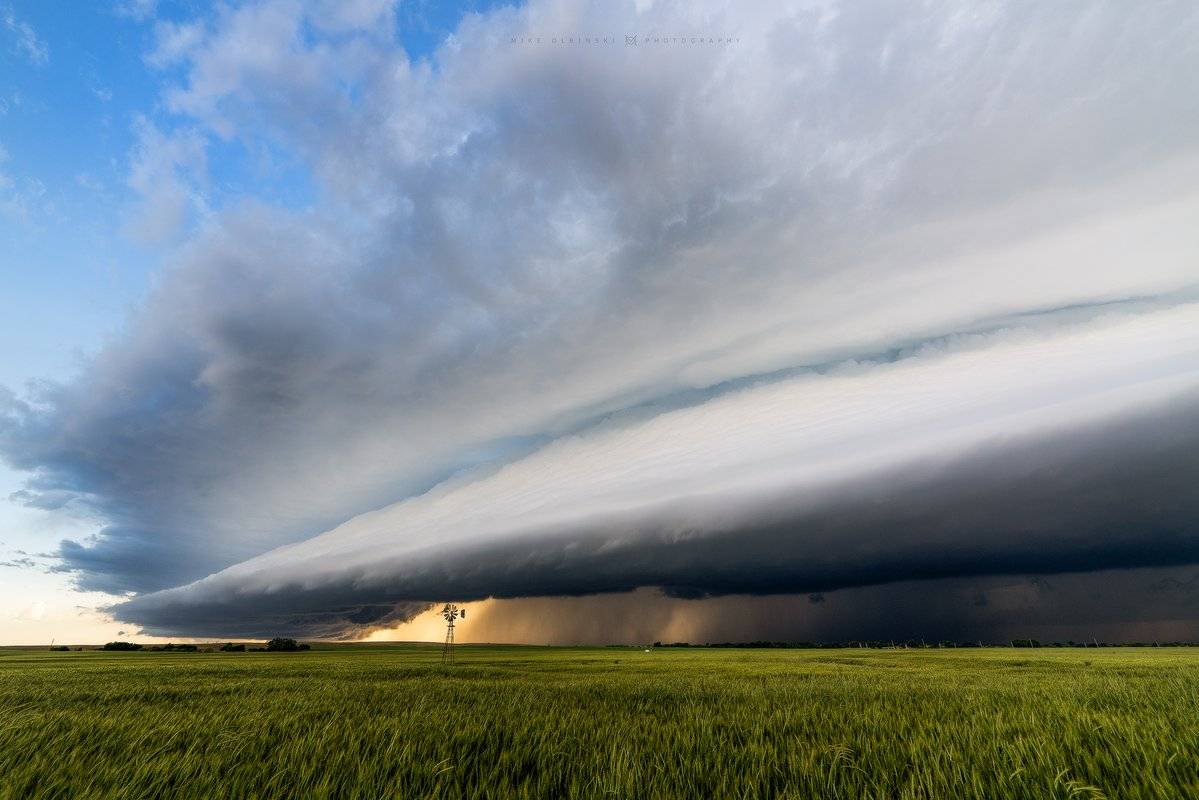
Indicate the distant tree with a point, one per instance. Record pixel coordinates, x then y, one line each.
60 648
230 647
281 644
122 646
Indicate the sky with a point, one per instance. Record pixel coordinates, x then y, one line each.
617 322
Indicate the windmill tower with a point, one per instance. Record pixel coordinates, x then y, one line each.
451 613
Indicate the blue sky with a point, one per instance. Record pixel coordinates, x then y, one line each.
316 312
66 129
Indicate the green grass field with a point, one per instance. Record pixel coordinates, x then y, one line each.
602 722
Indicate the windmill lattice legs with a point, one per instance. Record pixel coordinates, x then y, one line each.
450 613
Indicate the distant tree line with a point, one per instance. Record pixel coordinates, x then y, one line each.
282 645
277 645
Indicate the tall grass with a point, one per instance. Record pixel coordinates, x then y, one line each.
551 723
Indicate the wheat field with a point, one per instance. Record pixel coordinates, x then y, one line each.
391 722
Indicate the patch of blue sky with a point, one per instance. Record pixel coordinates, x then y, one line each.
67 273
70 115
261 169
423 25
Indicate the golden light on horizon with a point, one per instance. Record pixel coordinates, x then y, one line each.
428 626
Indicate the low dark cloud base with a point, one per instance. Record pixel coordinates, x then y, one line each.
1116 496
1155 604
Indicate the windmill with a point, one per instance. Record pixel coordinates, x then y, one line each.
451 613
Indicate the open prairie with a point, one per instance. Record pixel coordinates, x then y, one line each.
390 721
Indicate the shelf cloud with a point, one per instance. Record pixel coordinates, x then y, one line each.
809 485
801 298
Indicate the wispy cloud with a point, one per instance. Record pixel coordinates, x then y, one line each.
21 198
174 42
138 10
23 38
168 173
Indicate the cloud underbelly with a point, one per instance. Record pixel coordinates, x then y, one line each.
1015 452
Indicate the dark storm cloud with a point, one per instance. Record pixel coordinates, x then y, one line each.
707 319
267 617
1118 496
1123 605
